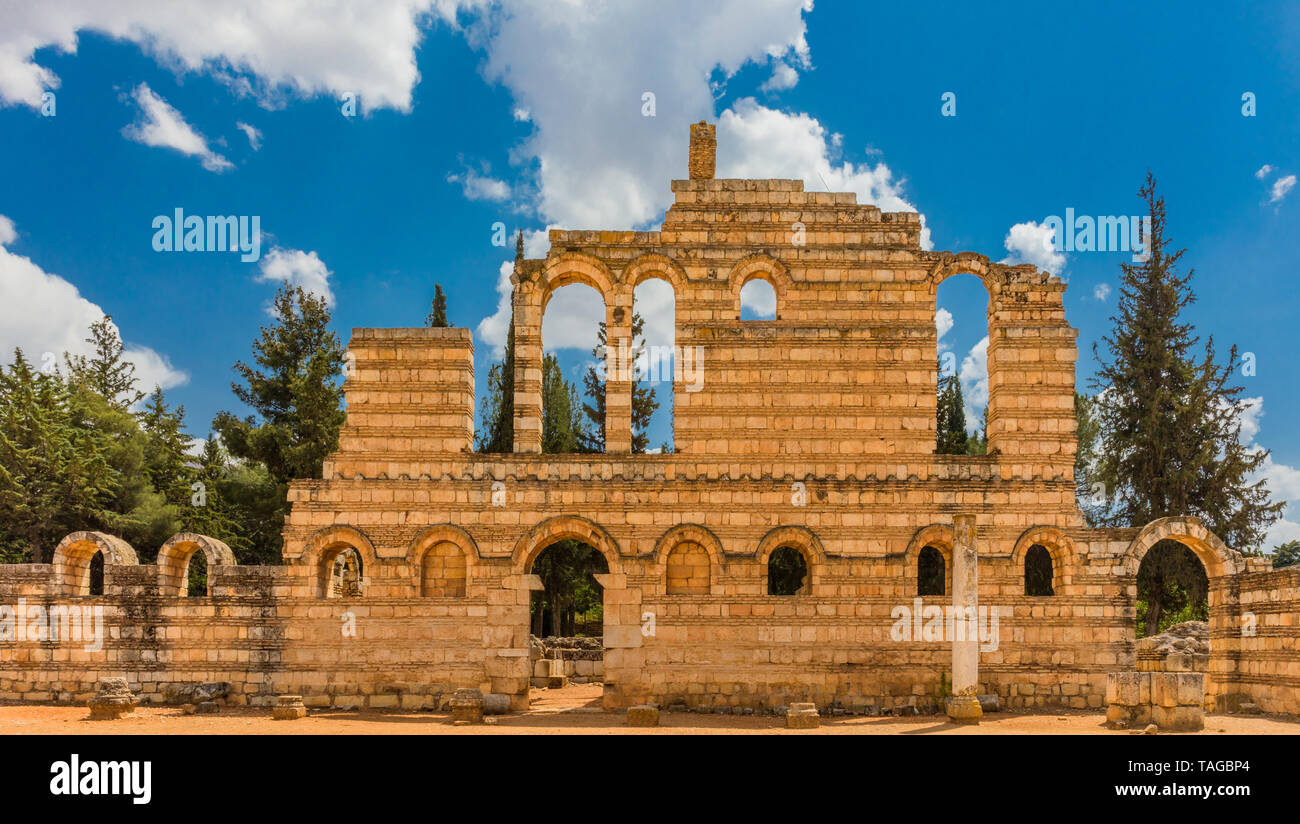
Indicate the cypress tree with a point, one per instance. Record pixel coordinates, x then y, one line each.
437 318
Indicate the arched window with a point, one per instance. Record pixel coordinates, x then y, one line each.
758 300
96 576
573 370
658 365
962 386
443 571
688 570
1038 571
787 572
196 575
931 572
341 572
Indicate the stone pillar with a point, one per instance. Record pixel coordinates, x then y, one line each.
528 368
619 368
505 638
964 706
704 151
624 657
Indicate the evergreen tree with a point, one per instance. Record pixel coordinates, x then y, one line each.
562 424
296 392
107 371
1170 421
497 411
166 462
950 417
54 477
438 316
1086 486
1287 554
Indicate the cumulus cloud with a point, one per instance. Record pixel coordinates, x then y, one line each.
1031 242
161 125
784 76
1101 291
1263 171
299 268
974 376
264 48
1281 188
252 133
477 186
1283 481
47 317
943 321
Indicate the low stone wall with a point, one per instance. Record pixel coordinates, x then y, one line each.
579 660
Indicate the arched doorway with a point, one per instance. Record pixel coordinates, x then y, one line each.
566 625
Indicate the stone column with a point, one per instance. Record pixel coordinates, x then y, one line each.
964 706
528 370
619 368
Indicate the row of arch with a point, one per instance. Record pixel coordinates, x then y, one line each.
443 557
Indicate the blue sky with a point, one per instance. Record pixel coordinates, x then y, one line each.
532 115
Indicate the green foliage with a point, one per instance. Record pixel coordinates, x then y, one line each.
563 430
569 590
437 316
950 417
643 395
1171 580
1285 555
295 393
1087 488
107 372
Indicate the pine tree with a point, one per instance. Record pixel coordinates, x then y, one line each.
54 476
562 424
437 318
497 411
1169 420
166 450
296 392
107 371
950 417
1287 554
1086 486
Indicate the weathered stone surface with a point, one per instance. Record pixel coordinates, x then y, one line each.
802 716
643 715
113 700
467 707
195 693
207 708
288 708
963 709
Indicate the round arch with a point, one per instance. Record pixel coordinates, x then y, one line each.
939 536
327 542
558 528
1217 558
800 538
679 537
73 555
764 266
654 265
174 559
1058 545
967 263
428 538
573 267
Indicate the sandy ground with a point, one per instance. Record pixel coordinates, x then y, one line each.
573 710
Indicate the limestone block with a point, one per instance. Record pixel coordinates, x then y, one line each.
288 708
802 716
643 715
113 700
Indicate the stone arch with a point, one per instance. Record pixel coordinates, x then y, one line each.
764 266
684 536
440 535
800 538
174 560
73 555
939 536
654 265
326 544
534 541
1058 545
1217 558
967 263
574 267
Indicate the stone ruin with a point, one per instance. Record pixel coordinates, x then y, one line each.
811 433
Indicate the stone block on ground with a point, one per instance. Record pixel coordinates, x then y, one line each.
113 700
288 708
643 715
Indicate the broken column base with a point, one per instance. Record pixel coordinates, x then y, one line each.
466 707
288 708
964 709
1173 701
643 715
113 700
802 717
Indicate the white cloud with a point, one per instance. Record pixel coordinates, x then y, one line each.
1281 187
755 141
161 125
47 316
1263 171
299 268
253 134
759 297
1031 242
572 318
974 376
494 328
1101 291
783 77
523 115
943 321
654 301
480 187
259 47
1283 481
